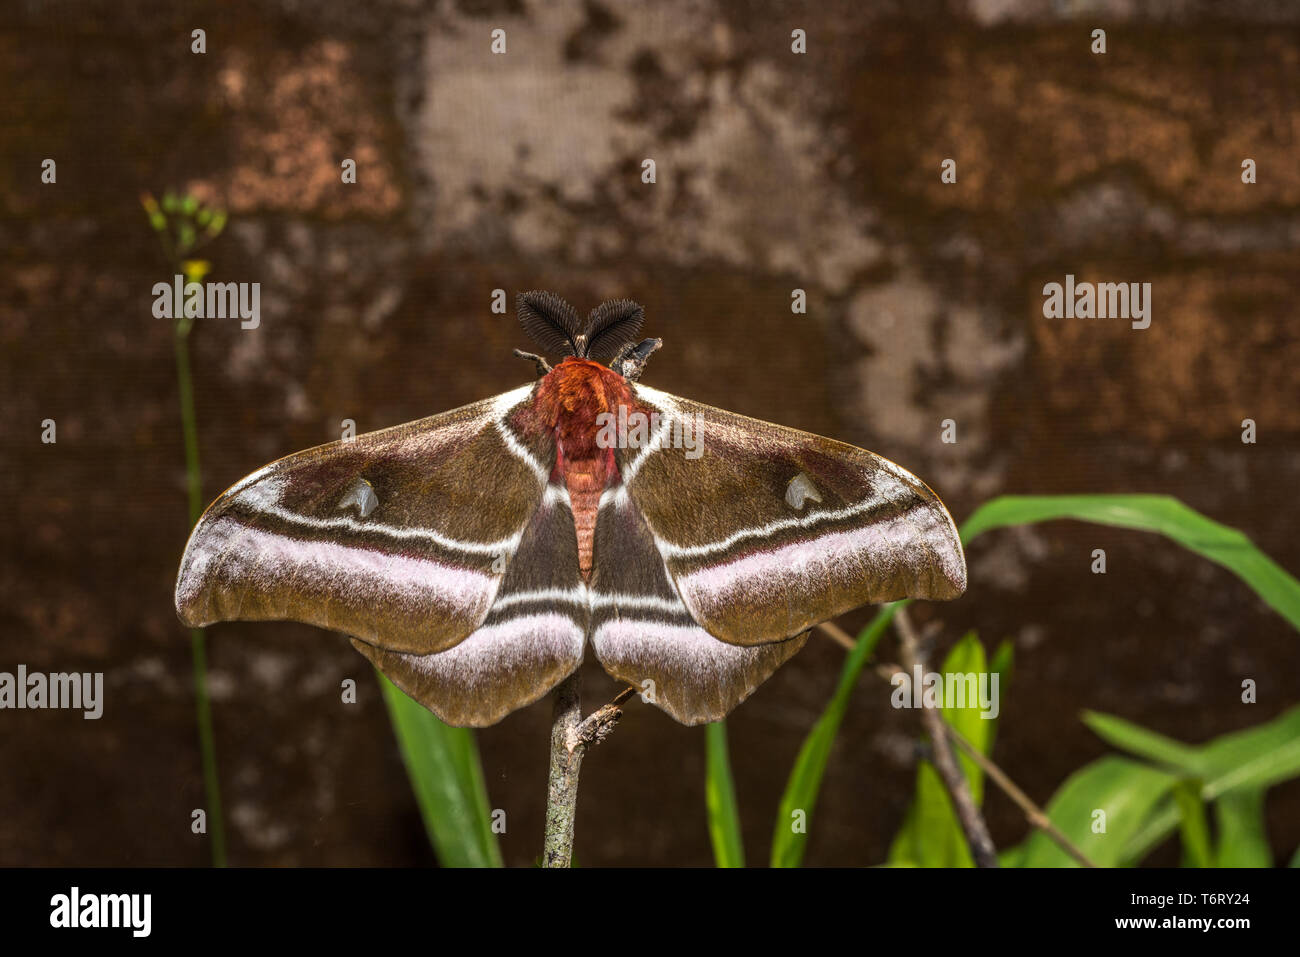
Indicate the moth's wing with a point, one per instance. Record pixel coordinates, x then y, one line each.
643 634
530 641
398 537
767 530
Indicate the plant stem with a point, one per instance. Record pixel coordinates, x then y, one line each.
1034 815
945 762
570 738
198 647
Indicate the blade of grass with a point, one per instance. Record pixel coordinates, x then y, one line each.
720 793
1230 764
1256 757
1153 513
931 835
447 778
1136 739
1243 841
1193 826
789 840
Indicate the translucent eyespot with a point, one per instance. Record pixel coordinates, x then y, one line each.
361 494
799 490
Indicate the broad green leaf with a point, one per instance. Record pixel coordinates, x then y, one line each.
1242 839
794 816
1153 513
1112 793
447 778
1193 826
720 796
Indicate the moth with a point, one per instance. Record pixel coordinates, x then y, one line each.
472 556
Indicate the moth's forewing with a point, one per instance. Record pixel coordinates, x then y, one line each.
771 530
396 537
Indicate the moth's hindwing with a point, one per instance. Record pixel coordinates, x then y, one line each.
644 635
771 530
530 641
398 538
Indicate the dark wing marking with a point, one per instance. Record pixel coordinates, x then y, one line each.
771 530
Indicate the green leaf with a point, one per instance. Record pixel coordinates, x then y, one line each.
1229 765
447 778
931 835
720 795
794 816
1160 823
1194 827
1256 757
1239 816
1145 744
1013 856
1153 513
1126 791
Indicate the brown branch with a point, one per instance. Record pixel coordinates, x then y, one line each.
571 736
837 635
945 762
1034 815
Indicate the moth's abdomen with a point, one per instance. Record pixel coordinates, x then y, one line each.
585 481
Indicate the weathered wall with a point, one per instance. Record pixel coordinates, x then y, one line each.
521 171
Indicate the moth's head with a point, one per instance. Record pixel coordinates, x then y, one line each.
607 335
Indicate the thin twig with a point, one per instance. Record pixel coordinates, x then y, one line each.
838 635
945 762
571 736
1033 813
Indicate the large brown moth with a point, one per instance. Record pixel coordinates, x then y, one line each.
472 555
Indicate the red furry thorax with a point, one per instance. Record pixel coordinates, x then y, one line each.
569 400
